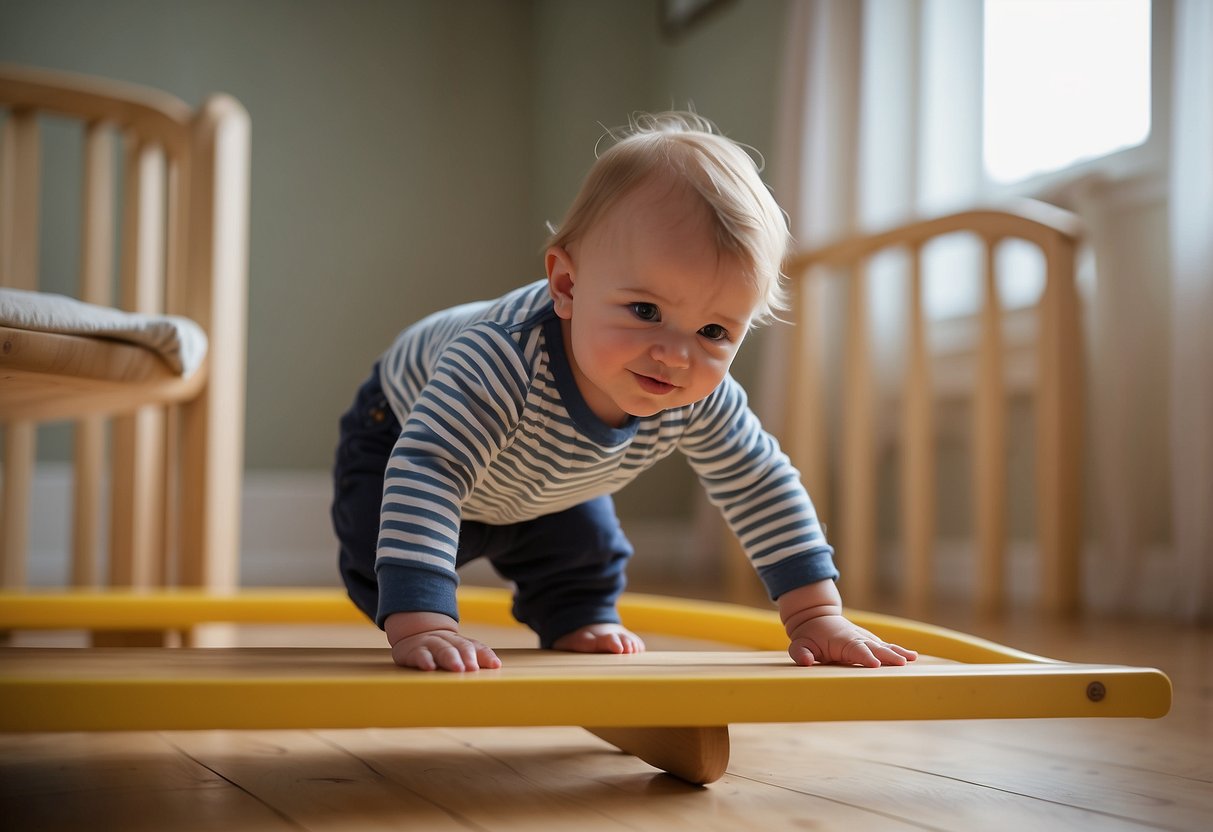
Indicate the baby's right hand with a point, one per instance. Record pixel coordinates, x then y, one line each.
431 641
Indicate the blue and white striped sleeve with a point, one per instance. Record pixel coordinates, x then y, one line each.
752 481
457 425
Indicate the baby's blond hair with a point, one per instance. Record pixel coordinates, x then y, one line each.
748 223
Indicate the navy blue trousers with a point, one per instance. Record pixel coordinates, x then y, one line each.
567 568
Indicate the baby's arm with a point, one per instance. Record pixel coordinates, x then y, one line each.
812 616
431 640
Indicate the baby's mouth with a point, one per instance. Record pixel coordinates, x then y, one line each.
653 385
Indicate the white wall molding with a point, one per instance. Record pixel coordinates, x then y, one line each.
955 572
287 541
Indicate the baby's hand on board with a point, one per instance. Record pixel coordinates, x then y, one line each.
833 639
600 638
812 616
431 641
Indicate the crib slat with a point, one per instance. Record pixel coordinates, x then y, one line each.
97 241
989 437
857 477
175 264
918 453
212 440
1059 421
19 446
96 279
88 470
804 420
20 172
138 439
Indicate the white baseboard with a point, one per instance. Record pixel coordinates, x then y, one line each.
287 540
1153 593
285 532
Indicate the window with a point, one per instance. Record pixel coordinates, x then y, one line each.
1062 89
1064 81
967 103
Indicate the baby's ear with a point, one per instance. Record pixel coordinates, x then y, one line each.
561 277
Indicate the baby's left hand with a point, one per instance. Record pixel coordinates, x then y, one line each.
833 639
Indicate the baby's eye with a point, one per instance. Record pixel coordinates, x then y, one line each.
714 332
645 311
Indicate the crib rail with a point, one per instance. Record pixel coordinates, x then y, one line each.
1057 399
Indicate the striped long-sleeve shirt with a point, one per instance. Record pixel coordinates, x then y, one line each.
494 430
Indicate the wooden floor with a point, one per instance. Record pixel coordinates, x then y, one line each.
1037 775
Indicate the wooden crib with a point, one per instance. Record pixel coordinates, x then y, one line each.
838 456
170 394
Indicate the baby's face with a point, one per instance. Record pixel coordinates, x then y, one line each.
653 313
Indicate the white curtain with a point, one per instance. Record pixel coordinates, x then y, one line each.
879 121
816 139
819 133
1191 245
880 118
848 141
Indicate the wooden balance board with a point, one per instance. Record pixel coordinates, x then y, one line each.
671 709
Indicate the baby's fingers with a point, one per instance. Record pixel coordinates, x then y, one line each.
875 653
802 654
462 654
863 653
407 654
430 656
486 658
452 653
858 651
456 657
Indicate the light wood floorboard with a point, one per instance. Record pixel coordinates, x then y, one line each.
988 775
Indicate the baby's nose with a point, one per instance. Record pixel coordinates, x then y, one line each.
672 352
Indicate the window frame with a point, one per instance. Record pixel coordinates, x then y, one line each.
1144 164
1130 176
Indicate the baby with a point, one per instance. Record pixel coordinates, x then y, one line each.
500 429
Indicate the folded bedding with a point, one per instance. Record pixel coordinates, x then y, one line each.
180 342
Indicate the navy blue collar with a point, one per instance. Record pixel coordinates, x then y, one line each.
566 384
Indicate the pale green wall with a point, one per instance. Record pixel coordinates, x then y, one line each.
595 63
386 175
406 155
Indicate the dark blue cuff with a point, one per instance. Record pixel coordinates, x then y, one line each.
798 570
414 589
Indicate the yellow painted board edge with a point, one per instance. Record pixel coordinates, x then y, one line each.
490 698
170 609
181 609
